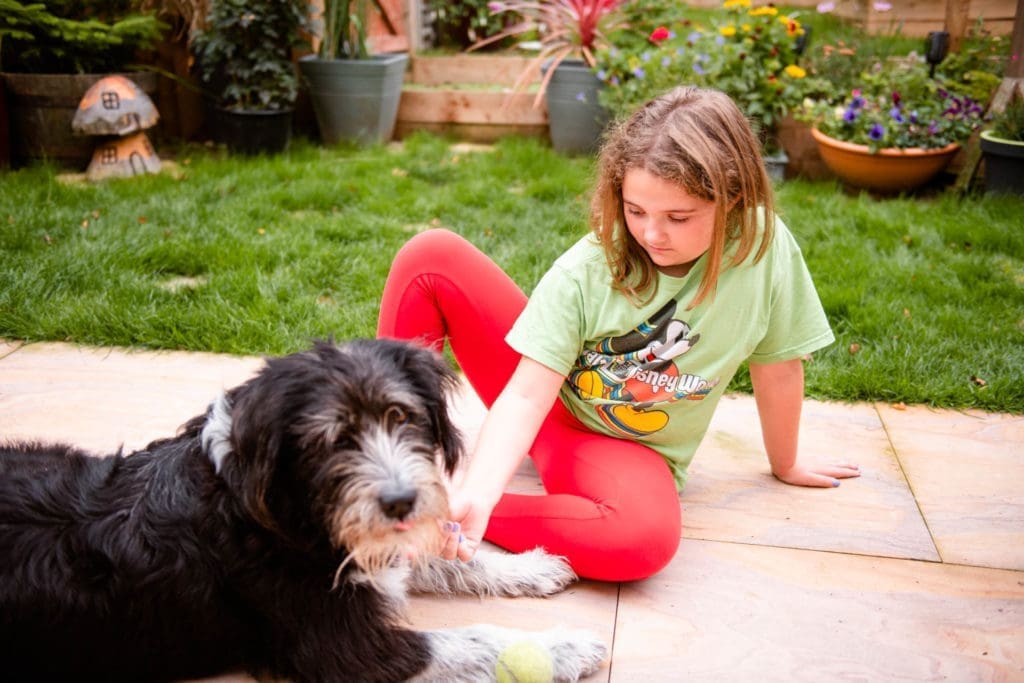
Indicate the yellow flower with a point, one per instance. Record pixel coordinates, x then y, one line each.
794 71
767 10
727 30
729 4
746 28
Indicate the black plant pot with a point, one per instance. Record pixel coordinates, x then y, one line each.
251 131
1004 164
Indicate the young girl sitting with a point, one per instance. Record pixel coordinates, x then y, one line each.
608 375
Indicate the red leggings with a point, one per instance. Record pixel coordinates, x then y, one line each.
611 506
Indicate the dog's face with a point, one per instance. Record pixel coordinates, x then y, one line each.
344 444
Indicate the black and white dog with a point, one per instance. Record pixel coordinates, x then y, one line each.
277 534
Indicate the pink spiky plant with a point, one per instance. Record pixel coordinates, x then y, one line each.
567 28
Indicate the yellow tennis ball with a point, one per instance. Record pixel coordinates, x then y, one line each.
525 662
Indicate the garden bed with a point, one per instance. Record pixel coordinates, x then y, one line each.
911 17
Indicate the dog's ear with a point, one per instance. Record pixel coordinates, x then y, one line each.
256 439
434 382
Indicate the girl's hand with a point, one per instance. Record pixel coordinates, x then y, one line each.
508 430
825 476
466 530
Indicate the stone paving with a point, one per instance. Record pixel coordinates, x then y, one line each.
913 572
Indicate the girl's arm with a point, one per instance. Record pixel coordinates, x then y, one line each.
779 393
506 436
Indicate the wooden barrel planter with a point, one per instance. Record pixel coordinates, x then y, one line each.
40 108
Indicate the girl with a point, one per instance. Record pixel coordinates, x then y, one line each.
607 377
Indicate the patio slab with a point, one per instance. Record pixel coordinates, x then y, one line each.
101 398
731 495
733 612
967 473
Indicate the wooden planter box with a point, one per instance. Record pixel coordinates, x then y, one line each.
804 159
469 97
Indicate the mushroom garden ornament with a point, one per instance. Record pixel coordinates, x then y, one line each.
118 111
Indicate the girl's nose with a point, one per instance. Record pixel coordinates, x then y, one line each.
653 233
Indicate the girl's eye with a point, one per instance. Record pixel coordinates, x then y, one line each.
679 219
634 212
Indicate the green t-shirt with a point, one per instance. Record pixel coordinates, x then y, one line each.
655 373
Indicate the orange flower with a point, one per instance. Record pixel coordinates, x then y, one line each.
793 27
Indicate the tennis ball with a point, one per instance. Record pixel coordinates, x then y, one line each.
524 662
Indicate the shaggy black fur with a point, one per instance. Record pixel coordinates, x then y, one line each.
157 567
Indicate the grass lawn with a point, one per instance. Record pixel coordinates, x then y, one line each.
261 255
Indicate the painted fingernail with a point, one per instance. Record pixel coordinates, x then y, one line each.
456 526
461 538
835 482
449 526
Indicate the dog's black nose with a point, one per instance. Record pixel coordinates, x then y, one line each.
397 501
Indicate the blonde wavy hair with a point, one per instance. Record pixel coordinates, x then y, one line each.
699 139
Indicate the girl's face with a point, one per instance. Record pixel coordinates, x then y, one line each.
672 226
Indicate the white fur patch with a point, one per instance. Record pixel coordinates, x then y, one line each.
216 436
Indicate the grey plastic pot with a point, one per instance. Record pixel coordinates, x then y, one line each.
576 118
355 99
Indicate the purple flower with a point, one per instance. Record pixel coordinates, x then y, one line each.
933 128
877 132
581 96
857 102
897 115
825 7
850 115
639 73
665 61
698 68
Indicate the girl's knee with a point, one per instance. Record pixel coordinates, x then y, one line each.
632 549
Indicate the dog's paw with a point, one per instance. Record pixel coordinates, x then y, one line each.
472 654
531 574
574 654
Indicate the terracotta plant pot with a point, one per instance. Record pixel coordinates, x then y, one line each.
887 170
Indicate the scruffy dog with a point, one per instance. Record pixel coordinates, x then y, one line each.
276 534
